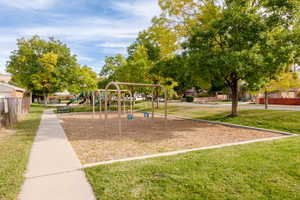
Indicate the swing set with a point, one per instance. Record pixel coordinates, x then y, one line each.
99 95
119 92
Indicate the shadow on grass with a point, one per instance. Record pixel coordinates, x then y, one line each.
270 119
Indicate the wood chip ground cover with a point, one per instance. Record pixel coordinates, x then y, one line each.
94 142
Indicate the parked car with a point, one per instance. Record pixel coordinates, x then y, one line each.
140 98
160 99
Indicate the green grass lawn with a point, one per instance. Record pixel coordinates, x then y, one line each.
14 153
288 121
266 170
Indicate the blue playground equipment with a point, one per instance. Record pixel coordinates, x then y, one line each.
146 114
130 116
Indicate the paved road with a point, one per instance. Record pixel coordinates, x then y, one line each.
241 105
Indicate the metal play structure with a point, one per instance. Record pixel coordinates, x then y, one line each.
102 97
119 91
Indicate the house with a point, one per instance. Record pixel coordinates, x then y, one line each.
5 78
62 94
191 92
7 90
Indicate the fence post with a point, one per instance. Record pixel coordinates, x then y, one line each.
12 110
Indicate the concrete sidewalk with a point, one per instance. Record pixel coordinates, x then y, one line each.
53 171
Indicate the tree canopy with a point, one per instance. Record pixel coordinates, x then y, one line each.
236 40
285 82
47 66
215 44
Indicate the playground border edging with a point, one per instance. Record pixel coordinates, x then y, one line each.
235 125
182 151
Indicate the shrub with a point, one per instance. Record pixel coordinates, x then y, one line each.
203 94
189 98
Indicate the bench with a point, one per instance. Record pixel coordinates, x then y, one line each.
63 109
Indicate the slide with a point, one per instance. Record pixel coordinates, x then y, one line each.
77 98
71 101
84 100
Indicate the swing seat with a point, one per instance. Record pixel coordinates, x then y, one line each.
130 117
146 115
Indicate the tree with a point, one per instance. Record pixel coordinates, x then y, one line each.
179 70
181 15
285 82
112 64
242 40
110 69
158 44
43 66
85 79
137 67
295 37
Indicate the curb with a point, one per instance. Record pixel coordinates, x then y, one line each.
233 125
182 151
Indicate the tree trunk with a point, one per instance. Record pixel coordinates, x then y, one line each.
157 100
91 100
266 100
234 97
30 96
45 99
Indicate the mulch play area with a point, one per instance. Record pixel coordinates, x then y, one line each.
94 141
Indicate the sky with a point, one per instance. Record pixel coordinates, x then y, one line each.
92 29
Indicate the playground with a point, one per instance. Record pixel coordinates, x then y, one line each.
124 133
93 142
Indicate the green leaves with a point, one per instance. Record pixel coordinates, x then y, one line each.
212 44
85 79
45 67
234 40
285 82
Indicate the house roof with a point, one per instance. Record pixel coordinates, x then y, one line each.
64 93
12 87
190 90
5 77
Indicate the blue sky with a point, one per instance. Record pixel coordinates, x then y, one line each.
92 29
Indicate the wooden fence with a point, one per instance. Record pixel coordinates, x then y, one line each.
281 101
12 110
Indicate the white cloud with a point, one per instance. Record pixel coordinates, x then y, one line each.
111 34
143 8
74 32
7 44
86 31
114 47
113 50
94 20
85 59
114 44
29 4
2 63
